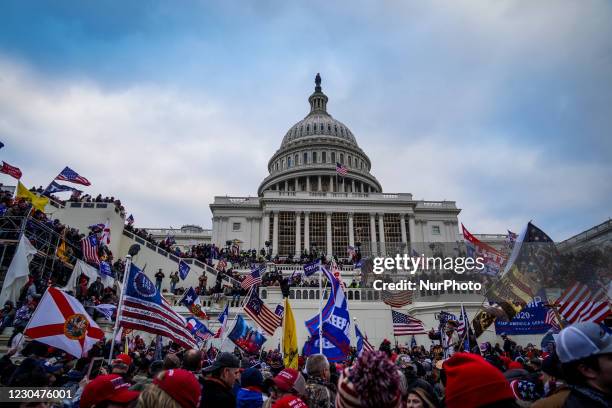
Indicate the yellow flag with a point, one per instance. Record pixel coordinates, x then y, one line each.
290 348
38 202
61 251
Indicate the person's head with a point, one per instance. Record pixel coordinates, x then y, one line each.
374 381
225 368
472 382
175 388
251 377
121 364
171 361
318 366
585 352
107 391
289 381
192 360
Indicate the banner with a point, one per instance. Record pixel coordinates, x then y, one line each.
530 320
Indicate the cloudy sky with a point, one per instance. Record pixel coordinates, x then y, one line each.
504 106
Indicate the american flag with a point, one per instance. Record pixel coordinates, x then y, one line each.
551 319
106 233
130 219
90 249
404 325
580 304
341 169
144 309
72 176
221 265
463 321
397 300
260 313
254 278
362 341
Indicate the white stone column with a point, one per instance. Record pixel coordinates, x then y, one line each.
286 185
403 229
373 234
329 233
331 183
320 187
381 233
411 229
265 227
353 186
297 184
307 231
307 183
351 230
275 234
298 235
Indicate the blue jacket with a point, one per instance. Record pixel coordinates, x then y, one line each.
249 399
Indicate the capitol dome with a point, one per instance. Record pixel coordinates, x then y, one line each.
313 148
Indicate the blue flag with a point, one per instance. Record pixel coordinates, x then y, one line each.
312 267
105 269
359 337
335 327
58 188
530 320
245 337
1 145
107 310
183 269
413 342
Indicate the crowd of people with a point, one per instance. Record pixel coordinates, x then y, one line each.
573 371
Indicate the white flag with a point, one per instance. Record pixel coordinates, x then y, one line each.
18 271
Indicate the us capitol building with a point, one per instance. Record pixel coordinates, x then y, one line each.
305 205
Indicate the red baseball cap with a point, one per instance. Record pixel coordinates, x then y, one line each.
122 359
290 378
181 385
110 387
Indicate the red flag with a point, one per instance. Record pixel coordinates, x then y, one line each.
10 170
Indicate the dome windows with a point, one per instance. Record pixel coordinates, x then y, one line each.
305 157
324 157
314 157
333 157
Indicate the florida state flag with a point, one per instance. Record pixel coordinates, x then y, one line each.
10 170
61 321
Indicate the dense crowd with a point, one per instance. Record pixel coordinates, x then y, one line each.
573 371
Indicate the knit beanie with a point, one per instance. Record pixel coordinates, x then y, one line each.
472 382
251 377
373 382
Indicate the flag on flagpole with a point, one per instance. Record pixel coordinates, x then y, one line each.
62 322
341 169
1 145
413 342
90 249
61 251
312 267
73 177
579 304
17 273
397 300
145 309
107 310
10 170
223 318
404 324
290 347
199 330
261 314
105 238
362 342
254 278
37 202
551 320
183 269
192 301
130 219
463 329
58 188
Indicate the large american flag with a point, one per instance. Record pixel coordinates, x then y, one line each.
397 300
261 314
144 308
341 169
405 325
580 304
72 176
254 278
90 249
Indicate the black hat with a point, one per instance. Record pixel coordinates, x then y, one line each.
223 360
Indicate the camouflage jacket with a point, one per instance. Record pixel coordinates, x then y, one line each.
320 393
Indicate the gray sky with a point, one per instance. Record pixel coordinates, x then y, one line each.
504 107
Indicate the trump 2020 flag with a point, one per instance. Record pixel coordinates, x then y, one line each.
62 322
246 337
183 269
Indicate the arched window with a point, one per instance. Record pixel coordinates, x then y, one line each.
296 159
307 128
314 157
328 127
350 160
324 157
322 127
333 157
305 157
341 158
276 166
301 129
288 161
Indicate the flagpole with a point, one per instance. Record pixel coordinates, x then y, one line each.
128 264
235 317
320 311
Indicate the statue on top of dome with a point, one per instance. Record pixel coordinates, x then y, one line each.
318 80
